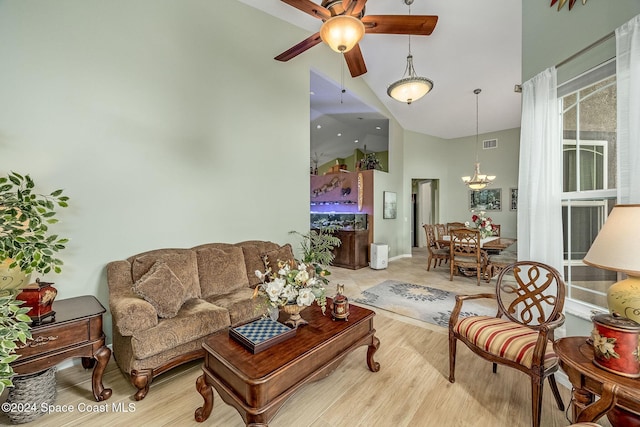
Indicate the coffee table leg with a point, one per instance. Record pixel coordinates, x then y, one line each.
203 412
373 347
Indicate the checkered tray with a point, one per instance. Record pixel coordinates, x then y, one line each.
261 334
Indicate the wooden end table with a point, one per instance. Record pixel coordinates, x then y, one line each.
257 385
74 331
616 391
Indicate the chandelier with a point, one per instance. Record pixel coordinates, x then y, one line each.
479 180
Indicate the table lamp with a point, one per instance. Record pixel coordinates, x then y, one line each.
615 249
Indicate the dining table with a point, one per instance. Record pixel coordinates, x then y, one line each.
493 243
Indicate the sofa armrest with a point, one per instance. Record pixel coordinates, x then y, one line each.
129 312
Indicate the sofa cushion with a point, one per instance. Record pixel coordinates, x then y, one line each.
162 289
221 271
182 262
284 253
195 319
242 307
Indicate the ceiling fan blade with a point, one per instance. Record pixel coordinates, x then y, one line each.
421 25
296 50
310 7
355 61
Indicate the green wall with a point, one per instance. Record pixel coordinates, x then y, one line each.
166 122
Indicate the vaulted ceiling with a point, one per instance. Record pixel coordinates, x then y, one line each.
476 44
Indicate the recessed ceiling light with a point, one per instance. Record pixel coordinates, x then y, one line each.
318 127
378 127
312 93
339 134
356 141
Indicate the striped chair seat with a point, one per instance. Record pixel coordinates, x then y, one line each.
504 338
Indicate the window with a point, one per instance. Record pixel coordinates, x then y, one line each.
588 105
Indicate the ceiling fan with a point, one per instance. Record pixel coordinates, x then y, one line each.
422 25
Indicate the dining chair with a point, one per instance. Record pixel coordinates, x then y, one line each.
530 297
441 232
452 225
496 230
465 252
436 254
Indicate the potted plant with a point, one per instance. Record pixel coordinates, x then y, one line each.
26 245
14 327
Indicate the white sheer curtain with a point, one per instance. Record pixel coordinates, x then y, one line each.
540 176
628 79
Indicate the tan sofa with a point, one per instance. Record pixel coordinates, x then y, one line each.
165 302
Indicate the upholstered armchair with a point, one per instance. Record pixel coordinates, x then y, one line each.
530 298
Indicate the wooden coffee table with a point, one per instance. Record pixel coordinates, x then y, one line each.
257 385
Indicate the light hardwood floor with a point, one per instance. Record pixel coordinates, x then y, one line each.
411 388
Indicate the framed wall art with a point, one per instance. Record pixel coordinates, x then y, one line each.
485 200
514 199
390 206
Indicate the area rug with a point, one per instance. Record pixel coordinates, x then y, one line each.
419 302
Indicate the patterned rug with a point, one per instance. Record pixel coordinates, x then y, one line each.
420 302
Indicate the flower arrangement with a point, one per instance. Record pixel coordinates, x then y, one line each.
483 223
293 282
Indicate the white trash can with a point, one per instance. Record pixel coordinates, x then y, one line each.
379 256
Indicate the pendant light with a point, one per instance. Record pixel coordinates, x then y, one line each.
410 87
479 180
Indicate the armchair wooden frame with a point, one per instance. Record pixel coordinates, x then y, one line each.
530 297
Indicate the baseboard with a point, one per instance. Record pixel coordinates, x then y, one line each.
400 256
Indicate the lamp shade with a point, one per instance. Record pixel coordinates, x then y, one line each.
342 32
410 89
613 248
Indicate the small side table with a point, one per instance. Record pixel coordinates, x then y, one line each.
75 331
615 391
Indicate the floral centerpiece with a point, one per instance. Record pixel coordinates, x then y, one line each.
293 286
483 223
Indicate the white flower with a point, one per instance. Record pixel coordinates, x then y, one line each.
302 276
290 293
305 297
273 289
259 274
466 223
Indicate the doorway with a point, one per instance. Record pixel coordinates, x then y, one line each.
424 209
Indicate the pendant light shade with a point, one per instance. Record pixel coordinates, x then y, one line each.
410 88
479 180
342 32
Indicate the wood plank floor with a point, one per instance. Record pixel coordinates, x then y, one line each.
411 388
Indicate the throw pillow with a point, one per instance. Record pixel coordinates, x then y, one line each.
162 289
182 263
221 271
284 253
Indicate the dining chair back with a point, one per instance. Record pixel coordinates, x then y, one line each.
452 225
465 252
530 297
496 230
441 232
435 253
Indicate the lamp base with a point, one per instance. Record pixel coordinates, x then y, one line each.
623 298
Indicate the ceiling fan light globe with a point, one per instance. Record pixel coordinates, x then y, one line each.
341 33
466 179
410 89
491 177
